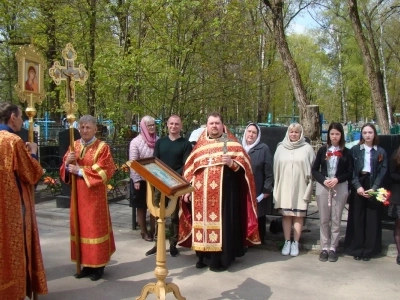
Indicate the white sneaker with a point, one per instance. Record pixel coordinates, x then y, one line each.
286 248
294 249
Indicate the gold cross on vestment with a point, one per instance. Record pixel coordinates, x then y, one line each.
213 201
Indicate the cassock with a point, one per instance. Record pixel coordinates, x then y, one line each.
21 263
96 235
221 218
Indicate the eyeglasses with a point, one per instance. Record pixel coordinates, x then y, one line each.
151 125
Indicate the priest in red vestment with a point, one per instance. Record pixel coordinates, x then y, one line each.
219 219
21 264
94 166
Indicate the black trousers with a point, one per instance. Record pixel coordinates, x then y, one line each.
262 228
364 224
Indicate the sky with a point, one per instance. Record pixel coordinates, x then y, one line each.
301 23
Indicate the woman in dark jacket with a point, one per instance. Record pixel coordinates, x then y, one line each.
332 168
364 224
261 164
394 207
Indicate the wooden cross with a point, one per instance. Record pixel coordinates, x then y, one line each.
68 72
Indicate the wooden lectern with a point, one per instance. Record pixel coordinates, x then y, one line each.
158 175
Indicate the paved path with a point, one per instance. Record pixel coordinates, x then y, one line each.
261 274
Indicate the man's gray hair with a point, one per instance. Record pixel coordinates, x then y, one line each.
87 119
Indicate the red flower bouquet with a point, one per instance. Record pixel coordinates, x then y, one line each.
381 195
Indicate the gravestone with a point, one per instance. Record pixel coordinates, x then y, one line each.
50 158
271 136
63 200
24 135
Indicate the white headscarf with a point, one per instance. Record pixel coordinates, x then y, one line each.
293 145
244 143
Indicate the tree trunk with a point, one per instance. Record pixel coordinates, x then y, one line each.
343 101
92 45
312 117
48 8
276 8
372 73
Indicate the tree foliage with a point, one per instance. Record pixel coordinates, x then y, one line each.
193 57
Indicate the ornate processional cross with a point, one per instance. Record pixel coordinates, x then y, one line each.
70 74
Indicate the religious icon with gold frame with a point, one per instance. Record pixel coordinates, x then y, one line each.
31 66
159 175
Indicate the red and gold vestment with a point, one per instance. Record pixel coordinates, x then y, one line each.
200 227
96 235
21 263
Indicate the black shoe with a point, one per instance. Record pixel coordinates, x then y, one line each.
85 272
152 251
219 269
366 258
97 274
173 251
323 256
398 259
332 257
357 257
200 265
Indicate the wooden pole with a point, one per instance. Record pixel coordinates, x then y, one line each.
74 202
30 111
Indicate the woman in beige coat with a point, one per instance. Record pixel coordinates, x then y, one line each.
293 160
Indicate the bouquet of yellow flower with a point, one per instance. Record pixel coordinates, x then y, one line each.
381 195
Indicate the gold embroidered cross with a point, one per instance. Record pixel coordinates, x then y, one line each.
213 201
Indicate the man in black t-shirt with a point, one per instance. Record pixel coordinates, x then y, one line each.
173 150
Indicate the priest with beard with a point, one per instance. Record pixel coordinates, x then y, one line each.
219 219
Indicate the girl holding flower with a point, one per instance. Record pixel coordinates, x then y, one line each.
332 169
364 224
394 207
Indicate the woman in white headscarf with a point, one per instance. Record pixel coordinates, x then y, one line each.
293 160
261 164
